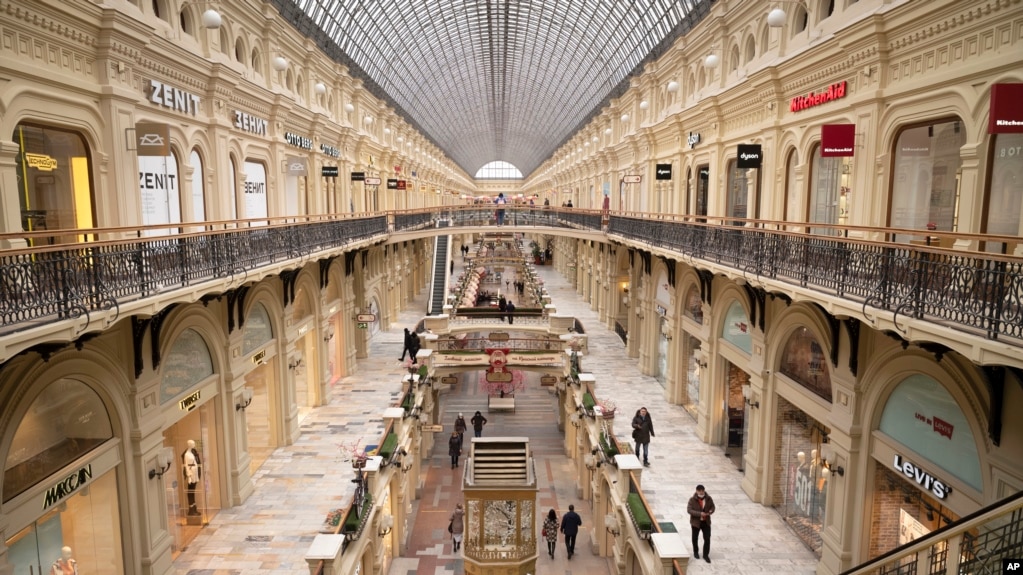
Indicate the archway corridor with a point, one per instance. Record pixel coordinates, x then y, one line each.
272 530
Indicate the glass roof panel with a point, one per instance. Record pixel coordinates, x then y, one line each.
509 79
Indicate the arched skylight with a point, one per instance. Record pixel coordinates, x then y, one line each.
498 171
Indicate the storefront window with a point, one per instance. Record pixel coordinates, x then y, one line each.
54 179
258 330
254 196
702 189
198 180
803 361
801 492
187 364
1003 205
925 187
694 305
66 421
736 329
791 193
691 391
829 190
738 191
903 513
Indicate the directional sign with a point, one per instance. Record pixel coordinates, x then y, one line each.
548 380
362 325
499 376
497 336
449 379
433 428
632 179
365 317
372 181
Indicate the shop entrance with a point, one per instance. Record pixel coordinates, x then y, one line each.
192 484
735 419
260 421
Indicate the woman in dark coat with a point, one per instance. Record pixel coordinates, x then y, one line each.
454 448
642 431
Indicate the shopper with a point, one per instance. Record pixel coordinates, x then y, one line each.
510 310
414 346
550 531
454 448
460 428
500 201
407 347
642 431
570 525
700 508
457 527
478 421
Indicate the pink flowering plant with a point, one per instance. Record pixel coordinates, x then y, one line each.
352 451
502 388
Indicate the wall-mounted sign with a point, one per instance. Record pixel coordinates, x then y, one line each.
499 376
921 477
837 140
372 181
67 486
693 139
546 380
749 156
189 403
1006 115
331 151
392 183
298 141
152 139
297 166
632 179
662 172
249 123
362 325
173 98
254 190
401 184
498 336
41 162
259 356
833 92
449 379
358 176
367 317
328 171
433 428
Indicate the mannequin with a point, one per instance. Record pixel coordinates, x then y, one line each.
65 565
192 469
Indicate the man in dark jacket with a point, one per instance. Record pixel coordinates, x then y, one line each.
700 508
570 524
407 345
642 431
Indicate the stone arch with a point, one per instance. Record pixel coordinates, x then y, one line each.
799 315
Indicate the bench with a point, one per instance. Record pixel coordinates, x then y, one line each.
501 404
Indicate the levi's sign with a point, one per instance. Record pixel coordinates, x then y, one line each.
922 478
833 92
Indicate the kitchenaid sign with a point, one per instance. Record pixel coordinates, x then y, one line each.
833 92
922 478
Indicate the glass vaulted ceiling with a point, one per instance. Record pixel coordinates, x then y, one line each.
503 80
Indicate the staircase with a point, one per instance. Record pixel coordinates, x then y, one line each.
500 461
441 256
976 544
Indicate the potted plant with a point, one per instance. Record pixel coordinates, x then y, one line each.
352 452
535 252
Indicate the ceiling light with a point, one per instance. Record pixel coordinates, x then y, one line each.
644 105
625 117
279 63
673 86
349 108
776 18
211 19
320 88
711 61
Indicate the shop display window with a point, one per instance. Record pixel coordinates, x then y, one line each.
926 177
829 190
1004 198
800 494
66 421
693 355
258 330
803 362
738 191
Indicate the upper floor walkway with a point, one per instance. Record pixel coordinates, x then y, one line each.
895 280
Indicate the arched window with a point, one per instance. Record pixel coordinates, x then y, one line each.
693 305
791 193
187 364
751 49
803 361
737 329
1003 196
239 50
926 173
198 199
733 59
258 329
498 170
827 8
55 185
185 21
800 19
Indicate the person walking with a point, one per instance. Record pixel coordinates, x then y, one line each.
700 508
550 531
510 309
460 428
457 527
502 306
500 201
478 421
407 346
642 431
570 525
413 346
454 448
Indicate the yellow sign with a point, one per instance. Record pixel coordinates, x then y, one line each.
41 162
188 404
259 356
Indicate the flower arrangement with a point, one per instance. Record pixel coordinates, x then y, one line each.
607 408
333 518
503 388
353 452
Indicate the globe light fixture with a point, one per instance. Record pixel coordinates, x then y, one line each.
711 61
625 117
279 63
211 19
776 18
644 105
320 88
349 108
607 131
673 86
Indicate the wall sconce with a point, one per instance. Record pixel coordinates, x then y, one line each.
776 18
625 117
279 63
295 363
711 61
329 335
367 120
386 524
747 394
611 525
320 88
211 19
163 463
349 108
644 105
673 86
607 131
244 400
828 458
574 420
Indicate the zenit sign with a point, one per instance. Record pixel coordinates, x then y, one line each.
833 92
922 478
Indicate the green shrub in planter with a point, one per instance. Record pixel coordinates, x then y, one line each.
639 513
390 444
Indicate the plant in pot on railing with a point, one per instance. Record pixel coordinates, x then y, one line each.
354 453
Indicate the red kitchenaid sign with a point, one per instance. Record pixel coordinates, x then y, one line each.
833 92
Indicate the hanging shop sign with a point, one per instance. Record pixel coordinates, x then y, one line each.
433 428
749 156
372 181
449 379
837 140
297 166
189 403
392 183
358 176
331 151
173 98
1006 115
328 171
401 184
832 92
298 141
921 477
366 317
249 123
258 358
62 489
693 139
662 172
152 139
632 179
548 380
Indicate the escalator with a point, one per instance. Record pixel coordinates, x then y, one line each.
439 283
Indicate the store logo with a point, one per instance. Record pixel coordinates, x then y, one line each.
330 151
41 162
188 404
940 426
922 478
173 98
298 141
833 92
693 139
68 486
249 123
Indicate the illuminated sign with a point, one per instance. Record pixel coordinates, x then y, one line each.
298 141
69 485
41 162
189 403
833 92
922 478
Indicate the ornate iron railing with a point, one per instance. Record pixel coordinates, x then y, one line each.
67 281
